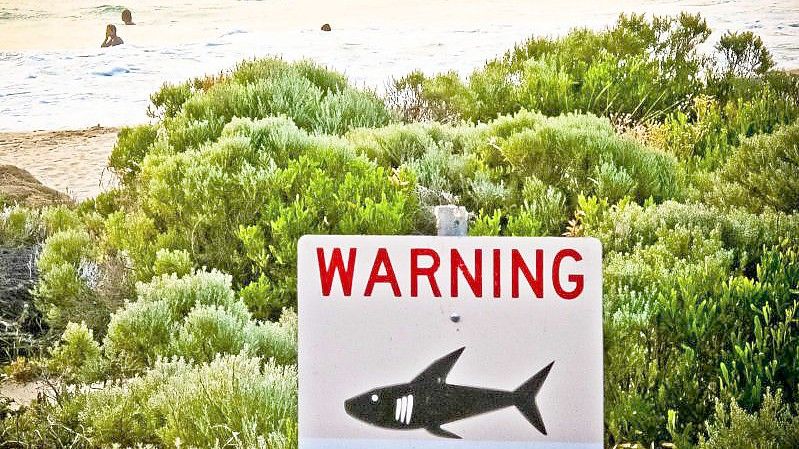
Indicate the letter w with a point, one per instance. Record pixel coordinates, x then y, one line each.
327 272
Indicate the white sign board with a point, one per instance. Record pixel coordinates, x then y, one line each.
450 342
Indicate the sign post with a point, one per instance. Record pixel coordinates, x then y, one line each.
439 342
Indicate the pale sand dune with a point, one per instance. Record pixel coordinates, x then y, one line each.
22 394
73 162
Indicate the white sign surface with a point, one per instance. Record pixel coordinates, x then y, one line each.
450 342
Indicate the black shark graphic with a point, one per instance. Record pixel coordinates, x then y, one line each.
428 401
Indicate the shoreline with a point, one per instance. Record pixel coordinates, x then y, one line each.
70 161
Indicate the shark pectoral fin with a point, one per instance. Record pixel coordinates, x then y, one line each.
439 432
438 370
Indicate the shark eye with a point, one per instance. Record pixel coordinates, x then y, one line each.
374 398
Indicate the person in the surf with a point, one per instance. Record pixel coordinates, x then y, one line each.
127 17
111 37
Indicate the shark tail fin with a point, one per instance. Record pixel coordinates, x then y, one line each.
525 398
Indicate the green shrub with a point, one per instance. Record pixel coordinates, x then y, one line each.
195 113
136 234
542 213
22 370
169 99
76 358
348 109
546 204
71 246
69 274
767 169
486 224
277 340
240 204
582 154
625 226
19 226
207 331
773 426
129 151
143 330
196 317
393 145
172 261
60 218
544 86
642 70
743 54
138 334
233 400
680 332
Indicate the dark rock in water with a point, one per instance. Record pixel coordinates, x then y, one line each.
326 27
20 322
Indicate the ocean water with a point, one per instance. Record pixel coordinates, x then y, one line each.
53 75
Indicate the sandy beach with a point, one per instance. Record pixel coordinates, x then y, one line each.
73 162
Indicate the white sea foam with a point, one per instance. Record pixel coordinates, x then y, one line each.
54 76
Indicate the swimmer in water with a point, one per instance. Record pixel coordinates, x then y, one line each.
127 17
111 37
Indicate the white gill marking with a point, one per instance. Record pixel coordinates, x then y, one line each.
404 408
397 411
410 409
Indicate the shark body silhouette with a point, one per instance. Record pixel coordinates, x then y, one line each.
428 401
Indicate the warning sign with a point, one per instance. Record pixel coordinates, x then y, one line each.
438 342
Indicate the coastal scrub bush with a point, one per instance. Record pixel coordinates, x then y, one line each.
435 154
642 70
774 425
393 145
743 54
76 358
60 218
19 226
22 370
172 262
196 317
579 154
71 246
195 112
315 98
69 272
232 401
129 151
680 332
709 132
625 226
142 330
766 168
240 205
208 330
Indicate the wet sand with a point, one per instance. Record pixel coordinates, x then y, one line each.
73 162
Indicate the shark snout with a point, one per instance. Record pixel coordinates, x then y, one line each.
349 406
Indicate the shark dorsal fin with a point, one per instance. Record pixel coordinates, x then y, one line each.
437 372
